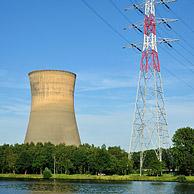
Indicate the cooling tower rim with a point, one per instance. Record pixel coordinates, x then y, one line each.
50 70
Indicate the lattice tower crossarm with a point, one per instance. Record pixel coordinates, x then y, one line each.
149 128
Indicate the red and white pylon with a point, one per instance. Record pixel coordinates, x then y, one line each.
149 128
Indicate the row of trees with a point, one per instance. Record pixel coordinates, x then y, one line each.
31 158
178 159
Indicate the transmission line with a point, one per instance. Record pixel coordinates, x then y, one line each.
183 21
188 51
125 39
105 21
180 63
180 36
189 44
126 18
118 9
176 59
178 78
179 53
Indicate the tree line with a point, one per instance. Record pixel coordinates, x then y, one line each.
88 159
178 159
31 158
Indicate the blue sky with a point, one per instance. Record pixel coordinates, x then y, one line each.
62 34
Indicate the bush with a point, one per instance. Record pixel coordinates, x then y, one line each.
153 172
47 173
181 179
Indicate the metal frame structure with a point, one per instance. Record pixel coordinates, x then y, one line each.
149 128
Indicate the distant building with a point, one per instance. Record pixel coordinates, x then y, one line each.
52 117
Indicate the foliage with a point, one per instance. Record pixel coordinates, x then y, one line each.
168 160
131 177
152 166
181 179
88 159
47 173
183 150
178 159
85 159
155 168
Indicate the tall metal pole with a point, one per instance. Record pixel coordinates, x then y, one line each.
149 128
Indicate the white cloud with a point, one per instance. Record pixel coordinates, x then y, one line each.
114 126
16 109
12 129
180 111
112 129
95 82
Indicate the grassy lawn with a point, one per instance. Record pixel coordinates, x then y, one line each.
132 177
190 178
117 177
18 176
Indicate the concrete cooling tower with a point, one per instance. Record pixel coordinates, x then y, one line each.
52 117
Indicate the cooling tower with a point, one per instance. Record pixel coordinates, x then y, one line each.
52 117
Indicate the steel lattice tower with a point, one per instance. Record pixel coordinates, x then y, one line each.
149 128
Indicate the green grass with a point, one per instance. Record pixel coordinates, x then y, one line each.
132 177
116 177
190 178
21 176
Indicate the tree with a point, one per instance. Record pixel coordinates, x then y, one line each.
102 160
183 150
167 158
47 173
11 159
80 159
120 164
155 168
23 162
92 165
85 159
38 158
3 158
136 160
64 158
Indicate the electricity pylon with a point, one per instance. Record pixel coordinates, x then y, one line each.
149 128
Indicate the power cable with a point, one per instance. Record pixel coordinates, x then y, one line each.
169 53
124 16
189 44
183 21
182 45
118 9
105 21
176 59
179 35
125 39
188 51
179 53
178 78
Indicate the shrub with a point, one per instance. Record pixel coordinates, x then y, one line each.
47 173
181 179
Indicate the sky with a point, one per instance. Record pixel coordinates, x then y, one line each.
66 35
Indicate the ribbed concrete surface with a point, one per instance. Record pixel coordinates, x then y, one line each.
52 117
